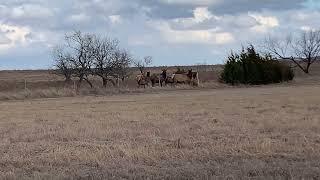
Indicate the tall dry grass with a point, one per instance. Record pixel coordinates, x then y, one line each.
69 91
18 85
237 133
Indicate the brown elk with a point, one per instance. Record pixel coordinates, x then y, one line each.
143 80
170 80
159 78
181 79
186 78
195 78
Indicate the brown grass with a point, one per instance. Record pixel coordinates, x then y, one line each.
260 133
27 84
98 91
210 132
14 81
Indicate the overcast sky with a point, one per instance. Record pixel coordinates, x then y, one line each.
173 32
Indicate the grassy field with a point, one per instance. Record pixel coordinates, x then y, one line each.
270 132
210 132
31 84
14 81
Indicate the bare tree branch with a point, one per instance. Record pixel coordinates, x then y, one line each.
142 64
104 50
87 54
62 63
303 50
81 47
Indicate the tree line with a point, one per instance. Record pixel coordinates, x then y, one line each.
83 55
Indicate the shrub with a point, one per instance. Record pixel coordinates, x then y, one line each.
249 67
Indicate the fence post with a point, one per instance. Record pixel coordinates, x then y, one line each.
118 81
74 85
198 79
25 84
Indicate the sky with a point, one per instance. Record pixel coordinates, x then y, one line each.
173 32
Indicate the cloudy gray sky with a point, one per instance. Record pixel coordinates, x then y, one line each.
174 32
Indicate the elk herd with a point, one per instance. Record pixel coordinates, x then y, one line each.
163 79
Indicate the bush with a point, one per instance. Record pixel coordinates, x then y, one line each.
249 67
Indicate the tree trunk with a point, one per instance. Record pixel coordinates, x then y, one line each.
67 79
308 67
80 82
245 74
88 81
104 82
112 82
305 70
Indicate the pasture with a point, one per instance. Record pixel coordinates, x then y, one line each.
30 84
14 81
262 132
210 132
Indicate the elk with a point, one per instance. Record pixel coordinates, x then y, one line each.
159 78
182 78
143 80
186 78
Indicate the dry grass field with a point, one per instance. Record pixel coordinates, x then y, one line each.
14 81
30 84
210 132
236 133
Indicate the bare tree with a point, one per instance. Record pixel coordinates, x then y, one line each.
110 62
104 61
87 54
142 64
122 64
82 54
302 50
62 63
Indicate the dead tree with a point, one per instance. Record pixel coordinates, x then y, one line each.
302 50
109 61
82 54
142 64
122 64
63 64
104 61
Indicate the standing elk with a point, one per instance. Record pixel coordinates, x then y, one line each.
162 79
169 79
186 78
143 80
195 78
159 78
